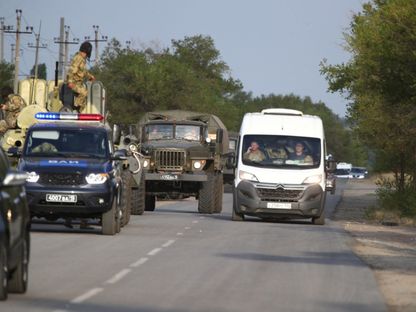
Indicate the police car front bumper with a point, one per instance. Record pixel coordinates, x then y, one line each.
253 199
91 201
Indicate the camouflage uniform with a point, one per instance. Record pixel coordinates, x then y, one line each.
77 74
15 104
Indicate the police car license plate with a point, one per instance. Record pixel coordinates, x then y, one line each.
61 198
279 205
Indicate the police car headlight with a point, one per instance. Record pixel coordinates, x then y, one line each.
315 179
32 177
146 163
247 176
96 178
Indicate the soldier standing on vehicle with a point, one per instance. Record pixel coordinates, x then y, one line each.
78 73
11 105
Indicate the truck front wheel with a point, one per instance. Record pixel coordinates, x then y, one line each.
219 191
207 197
138 197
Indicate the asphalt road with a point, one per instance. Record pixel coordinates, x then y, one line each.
177 260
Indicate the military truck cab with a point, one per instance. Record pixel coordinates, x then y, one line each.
184 155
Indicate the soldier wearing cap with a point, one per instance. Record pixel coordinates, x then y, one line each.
78 73
11 105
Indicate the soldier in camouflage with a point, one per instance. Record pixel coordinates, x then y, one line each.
78 73
11 105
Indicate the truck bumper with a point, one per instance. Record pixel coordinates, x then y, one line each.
304 202
91 202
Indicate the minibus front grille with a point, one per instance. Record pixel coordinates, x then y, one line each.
279 194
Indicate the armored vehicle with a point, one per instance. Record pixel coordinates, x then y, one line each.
184 154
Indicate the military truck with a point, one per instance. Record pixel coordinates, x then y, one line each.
184 154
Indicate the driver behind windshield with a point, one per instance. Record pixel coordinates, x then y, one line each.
254 153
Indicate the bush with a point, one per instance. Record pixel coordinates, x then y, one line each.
402 202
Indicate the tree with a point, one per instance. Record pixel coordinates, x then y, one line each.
41 71
6 74
380 81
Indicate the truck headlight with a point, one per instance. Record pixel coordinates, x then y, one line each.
146 163
247 176
315 179
198 164
96 178
32 177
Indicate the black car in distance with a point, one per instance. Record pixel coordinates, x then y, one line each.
14 230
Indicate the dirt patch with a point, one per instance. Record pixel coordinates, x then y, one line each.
389 250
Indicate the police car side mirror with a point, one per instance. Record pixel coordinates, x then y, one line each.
120 155
14 152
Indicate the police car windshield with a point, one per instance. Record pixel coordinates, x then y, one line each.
66 143
276 151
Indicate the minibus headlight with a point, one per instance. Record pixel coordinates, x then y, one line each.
315 179
247 176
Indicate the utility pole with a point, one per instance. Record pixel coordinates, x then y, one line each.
65 42
17 49
1 39
96 40
13 48
60 40
37 46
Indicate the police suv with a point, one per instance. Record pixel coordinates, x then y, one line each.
73 169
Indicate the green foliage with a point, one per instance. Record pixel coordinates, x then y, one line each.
6 74
41 71
380 81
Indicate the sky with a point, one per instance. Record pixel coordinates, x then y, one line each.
271 46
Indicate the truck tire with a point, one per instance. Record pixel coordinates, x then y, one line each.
235 216
126 198
109 220
138 197
207 198
150 202
219 191
3 273
18 281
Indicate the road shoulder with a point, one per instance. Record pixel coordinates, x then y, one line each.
389 250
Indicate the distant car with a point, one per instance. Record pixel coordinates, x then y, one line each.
358 173
14 230
342 173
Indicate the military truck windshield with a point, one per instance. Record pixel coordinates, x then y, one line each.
159 132
188 132
281 151
168 132
66 143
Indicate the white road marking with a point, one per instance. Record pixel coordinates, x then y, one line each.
179 234
202 217
89 294
139 262
59 311
187 228
195 221
168 243
154 251
118 276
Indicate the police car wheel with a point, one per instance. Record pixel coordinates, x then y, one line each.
3 273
